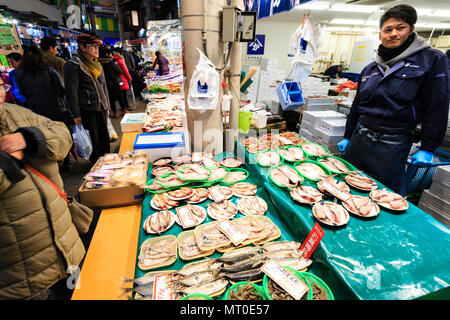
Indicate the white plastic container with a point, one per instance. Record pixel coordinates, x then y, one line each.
325 138
158 145
132 122
312 118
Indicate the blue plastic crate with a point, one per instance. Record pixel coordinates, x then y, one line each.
419 178
290 95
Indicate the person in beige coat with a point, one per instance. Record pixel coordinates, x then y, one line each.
38 241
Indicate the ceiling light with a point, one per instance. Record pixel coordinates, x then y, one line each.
424 12
441 13
354 8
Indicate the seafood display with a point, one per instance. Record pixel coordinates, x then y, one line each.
198 213
314 149
268 158
162 170
180 194
278 293
209 288
231 162
293 137
361 182
253 228
209 237
187 247
210 163
306 194
235 176
252 206
273 231
285 176
158 252
168 181
218 173
244 189
389 200
334 165
184 158
362 206
159 222
291 154
222 210
162 161
339 184
245 292
193 172
162 201
198 195
330 213
228 192
311 171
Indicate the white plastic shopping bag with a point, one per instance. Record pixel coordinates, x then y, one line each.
82 140
204 86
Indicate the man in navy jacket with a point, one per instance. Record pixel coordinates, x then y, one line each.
406 85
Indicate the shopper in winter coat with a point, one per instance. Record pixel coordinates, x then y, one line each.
14 60
407 84
41 85
49 49
126 80
162 62
113 79
87 93
38 241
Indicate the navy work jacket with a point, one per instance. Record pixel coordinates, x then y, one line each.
415 90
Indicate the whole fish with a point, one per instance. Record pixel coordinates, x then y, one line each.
198 278
145 290
199 266
293 262
283 254
209 288
247 275
251 263
280 245
239 255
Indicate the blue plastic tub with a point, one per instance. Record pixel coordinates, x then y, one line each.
290 95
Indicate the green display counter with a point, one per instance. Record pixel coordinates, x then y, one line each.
271 213
394 256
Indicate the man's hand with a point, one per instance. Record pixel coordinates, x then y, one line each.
18 155
77 120
12 143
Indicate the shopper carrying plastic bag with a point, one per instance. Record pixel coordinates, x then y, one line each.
82 140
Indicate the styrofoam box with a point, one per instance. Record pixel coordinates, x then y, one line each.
132 122
332 127
158 145
434 206
435 214
313 117
442 175
325 138
324 107
440 190
305 133
319 101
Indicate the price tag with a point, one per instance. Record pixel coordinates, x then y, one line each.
285 279
199 169
186 217
217 194
197 156
312 241
231 231
291 175
163 288
335 191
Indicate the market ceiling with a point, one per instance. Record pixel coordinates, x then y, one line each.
361 13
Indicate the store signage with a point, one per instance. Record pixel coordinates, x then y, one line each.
267 8
285 279
312 241
257 47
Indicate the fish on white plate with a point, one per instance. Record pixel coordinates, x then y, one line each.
235 176
231 162
252 206
159 222
306 194
280 178
268 158
362 206
390 200
334 165
361 182
244 189
311 171
331 213
222 210
314 149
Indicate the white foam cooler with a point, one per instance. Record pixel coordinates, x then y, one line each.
312 118
132 122
158 145
332 127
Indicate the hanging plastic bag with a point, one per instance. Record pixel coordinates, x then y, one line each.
204 86
112 132
82 141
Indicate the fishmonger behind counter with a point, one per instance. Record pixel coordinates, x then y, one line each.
407 84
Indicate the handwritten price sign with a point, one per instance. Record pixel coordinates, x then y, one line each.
312 241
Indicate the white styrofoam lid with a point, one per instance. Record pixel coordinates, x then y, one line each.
335 122
159 139
324 113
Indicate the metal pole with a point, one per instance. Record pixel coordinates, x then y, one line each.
119 20
92 17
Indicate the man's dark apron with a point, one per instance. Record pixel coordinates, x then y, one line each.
381 148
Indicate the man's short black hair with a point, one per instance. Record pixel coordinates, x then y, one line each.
403 12
15 56
48 42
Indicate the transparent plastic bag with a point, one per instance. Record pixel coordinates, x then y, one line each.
82 140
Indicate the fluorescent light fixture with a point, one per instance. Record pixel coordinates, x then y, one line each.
350 29
441 13
424 12
314 5
354 8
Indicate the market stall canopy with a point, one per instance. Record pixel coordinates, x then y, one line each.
267 8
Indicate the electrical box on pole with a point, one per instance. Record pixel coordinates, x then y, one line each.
238 25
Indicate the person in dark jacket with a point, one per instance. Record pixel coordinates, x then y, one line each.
41 85
162 62
406 85
113 79
334 72
14 60
87 93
